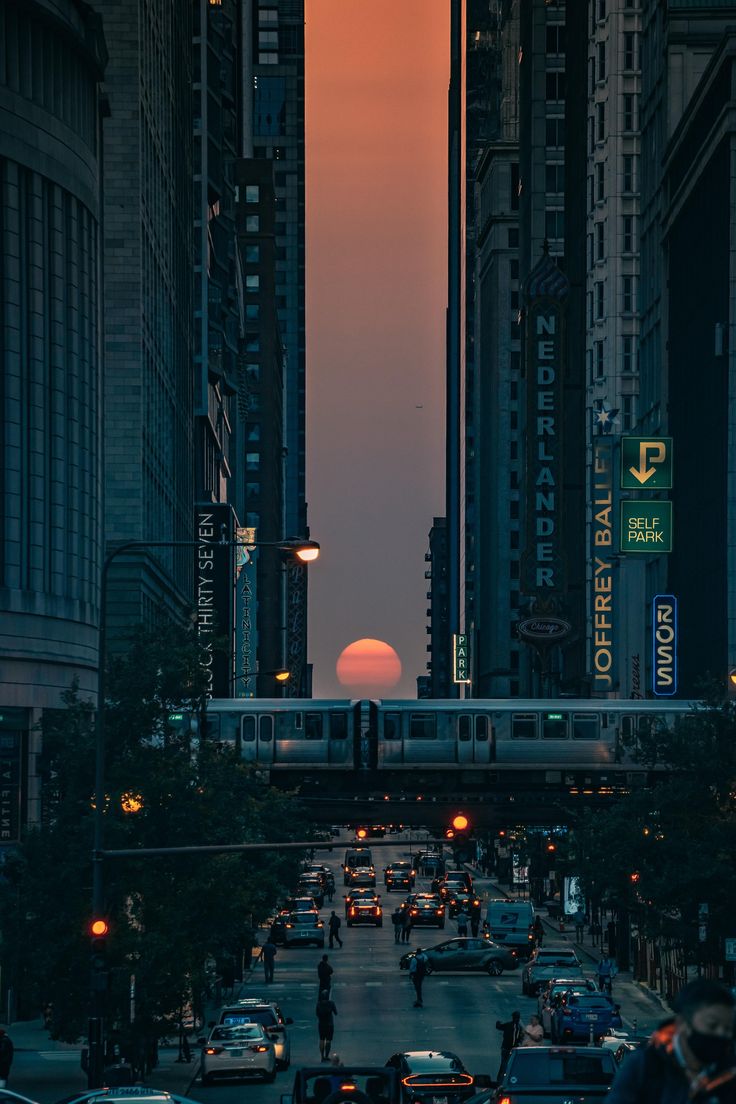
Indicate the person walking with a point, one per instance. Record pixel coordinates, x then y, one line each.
325 1012
474 923
690 1058
417 973
579 926
606 974
7 1051
512 1034
397 920
538 930
532 1033
324 974
462 922
330 886
267 955
333 927
405 926
596 932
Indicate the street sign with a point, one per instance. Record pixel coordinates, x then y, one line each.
461 658
731 950
646 463
646 526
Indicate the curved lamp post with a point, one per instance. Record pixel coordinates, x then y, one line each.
306 551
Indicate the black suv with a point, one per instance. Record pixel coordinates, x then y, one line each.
344 1085
559 1075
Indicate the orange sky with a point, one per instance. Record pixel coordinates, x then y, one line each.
376 104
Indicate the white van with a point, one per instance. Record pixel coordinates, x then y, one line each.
511 924
358 866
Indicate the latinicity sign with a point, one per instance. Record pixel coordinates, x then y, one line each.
664 645
543 557
461 657
601 576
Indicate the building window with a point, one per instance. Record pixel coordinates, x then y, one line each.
554 178
514 268
628 362
628 174
267 16
515 187
591 193
268 59
600 240
629 51
591 74
252 254
555 86
629 112
555 135
627 294
601 10
252 223
514 299
628 412
253 372
591 133
600 181
254 432
252 344
598 356
252 461
268 39
252 311
601 51
252 282
599 301
555 38
591 251
627 234
252 490
589 307
554 224
252 193
589 361
600 122
513 238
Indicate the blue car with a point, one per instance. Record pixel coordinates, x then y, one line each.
573 1019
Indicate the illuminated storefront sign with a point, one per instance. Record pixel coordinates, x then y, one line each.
601 575
664 645
646 462
646 526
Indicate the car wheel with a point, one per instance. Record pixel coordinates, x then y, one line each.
428 969
379 924
494 968
206 1079
268 1078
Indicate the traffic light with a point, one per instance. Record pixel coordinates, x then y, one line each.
361 833
460 831
99 930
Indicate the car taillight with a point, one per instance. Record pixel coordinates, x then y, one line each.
505 1100
320 923
289 925
353 911
213 1050
259 1049
440 912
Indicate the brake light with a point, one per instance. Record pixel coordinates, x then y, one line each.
353 911
505 1100
213 1050
440 912
347 1087
259 1049
289 925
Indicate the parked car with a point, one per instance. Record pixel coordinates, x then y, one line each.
264 1012
470 955
545 964
310 886
238 1050
579 1014
430 1076
556 1075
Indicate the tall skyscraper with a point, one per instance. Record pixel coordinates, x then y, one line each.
148 266
52 62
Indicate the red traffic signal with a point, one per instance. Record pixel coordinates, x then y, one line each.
449 833
362 833
460 823
98 928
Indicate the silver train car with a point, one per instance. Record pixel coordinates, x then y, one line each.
399 736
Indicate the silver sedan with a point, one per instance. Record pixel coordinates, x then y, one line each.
240 1050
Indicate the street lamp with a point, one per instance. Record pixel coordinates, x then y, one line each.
306 551
280 674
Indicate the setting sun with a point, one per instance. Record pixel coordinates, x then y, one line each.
369 664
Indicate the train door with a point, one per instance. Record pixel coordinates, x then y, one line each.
483 738
338 745
256 738
465 738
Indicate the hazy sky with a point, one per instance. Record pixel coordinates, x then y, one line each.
376 128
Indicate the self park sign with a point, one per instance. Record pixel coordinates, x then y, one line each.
646 526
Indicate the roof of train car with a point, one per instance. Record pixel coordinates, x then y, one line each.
281 703
603 705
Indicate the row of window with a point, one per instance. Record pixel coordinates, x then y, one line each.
423 726
596 357
597 180
597 121
596 299
597 239
599 11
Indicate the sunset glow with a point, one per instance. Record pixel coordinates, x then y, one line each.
369 664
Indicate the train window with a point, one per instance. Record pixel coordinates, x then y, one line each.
524 726
586 726
265 731
338 726
464 723
313 726
249 730
212 731
298 721
423 726
627 727
554 726
481 728
391 727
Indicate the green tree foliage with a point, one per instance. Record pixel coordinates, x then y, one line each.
663 851
167 915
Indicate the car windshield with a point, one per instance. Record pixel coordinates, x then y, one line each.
401 866
263 1016
435 1063
229 1032
363 895
590 1002
556 1067
374 1085
307 919
557 956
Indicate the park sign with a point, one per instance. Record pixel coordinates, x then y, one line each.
646 526
461 658
646 463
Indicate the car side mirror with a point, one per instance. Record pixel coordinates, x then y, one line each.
288 1020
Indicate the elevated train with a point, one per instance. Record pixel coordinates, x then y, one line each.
402 737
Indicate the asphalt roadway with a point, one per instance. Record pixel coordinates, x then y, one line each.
374 999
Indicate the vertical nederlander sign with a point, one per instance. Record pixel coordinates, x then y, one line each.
543 561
